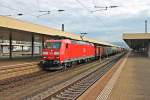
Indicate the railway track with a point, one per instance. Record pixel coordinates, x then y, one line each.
18 69
18 84
54 89
77 88
25 79
41 84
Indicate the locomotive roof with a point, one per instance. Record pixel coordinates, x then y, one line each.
135 36
70 41
8 22
65 40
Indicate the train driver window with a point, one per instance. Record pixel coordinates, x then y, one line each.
67 45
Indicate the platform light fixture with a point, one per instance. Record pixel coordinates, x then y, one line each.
145 26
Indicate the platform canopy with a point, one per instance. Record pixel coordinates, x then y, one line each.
133 36
138 41
11 23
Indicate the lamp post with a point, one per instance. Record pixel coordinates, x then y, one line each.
62 27
145 26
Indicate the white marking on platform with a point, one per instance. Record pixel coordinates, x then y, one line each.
107 89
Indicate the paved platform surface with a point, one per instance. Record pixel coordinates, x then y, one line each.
8 62
134 80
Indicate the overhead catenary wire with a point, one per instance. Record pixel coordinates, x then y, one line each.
8 7
89 10
38 4
94 2
91 13
16 10
105 8
47 12
83 5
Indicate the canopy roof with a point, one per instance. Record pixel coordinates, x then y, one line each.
12 23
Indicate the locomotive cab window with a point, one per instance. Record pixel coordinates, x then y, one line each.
67 45
54 45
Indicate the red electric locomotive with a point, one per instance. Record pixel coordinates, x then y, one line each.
59 54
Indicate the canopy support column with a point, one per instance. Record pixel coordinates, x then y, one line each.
10 44
149 48
43 40
32 46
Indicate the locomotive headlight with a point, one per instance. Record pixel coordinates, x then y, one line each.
44 57
45 53
56 53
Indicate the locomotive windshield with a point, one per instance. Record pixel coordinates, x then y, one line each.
54 45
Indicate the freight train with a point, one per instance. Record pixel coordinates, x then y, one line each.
59 54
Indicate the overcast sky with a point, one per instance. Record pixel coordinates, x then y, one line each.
82 16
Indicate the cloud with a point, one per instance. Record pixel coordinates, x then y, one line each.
129 16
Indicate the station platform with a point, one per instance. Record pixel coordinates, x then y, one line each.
133 82
130 81
15 61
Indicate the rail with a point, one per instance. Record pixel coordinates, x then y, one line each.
18 69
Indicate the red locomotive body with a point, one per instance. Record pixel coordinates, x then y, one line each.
61 53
